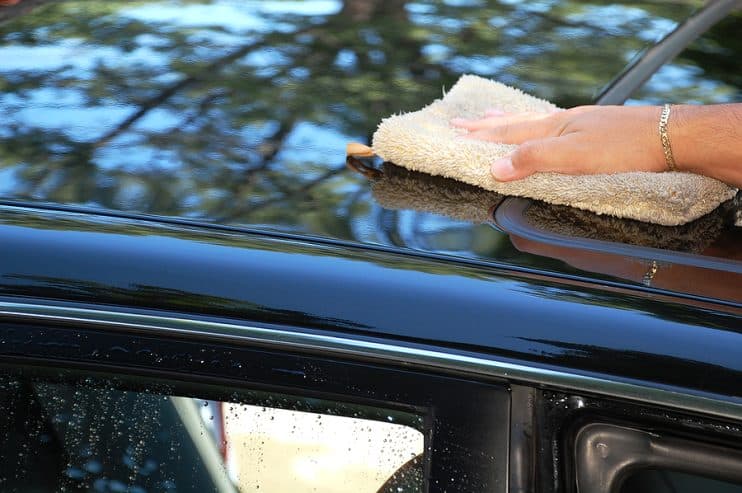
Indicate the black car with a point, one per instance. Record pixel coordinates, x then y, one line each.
200 292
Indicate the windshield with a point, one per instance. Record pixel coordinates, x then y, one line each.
238 111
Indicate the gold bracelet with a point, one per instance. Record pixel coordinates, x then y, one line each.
665 138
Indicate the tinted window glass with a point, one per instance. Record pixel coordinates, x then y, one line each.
708 71
93 434
666 481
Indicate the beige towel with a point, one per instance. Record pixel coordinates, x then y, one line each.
424 141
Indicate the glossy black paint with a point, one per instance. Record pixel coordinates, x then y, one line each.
464 306
699 258
668 48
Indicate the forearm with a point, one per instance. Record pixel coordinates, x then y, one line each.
708 140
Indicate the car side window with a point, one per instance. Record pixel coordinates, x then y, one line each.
102 434
706 72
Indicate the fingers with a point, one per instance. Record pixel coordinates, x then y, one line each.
516 130
494 112
581 140
495 118
509 129
556 154
503 170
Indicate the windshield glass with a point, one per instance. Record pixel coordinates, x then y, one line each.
239 111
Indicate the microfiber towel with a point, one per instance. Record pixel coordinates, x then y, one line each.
424 141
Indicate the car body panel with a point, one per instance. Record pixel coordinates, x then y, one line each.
513 313
241 135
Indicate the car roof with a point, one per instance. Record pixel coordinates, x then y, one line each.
238 115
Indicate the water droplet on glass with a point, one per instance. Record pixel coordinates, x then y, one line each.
75 473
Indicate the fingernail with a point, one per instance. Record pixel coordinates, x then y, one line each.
502 169
494 112
459 121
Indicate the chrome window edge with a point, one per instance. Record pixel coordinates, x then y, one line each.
645 393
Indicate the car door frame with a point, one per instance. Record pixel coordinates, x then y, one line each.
466 422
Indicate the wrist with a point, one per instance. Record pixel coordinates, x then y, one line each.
707 140
685 127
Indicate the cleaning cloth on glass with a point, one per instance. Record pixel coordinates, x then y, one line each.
424 141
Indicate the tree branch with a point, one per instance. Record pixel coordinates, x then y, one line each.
169 92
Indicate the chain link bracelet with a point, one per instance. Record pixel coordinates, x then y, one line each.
665 138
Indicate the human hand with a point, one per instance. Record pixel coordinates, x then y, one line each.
581 140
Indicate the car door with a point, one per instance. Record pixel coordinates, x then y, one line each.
112 400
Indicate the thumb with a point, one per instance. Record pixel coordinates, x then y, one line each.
549 154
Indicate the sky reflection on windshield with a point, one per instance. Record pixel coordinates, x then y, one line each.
238 111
